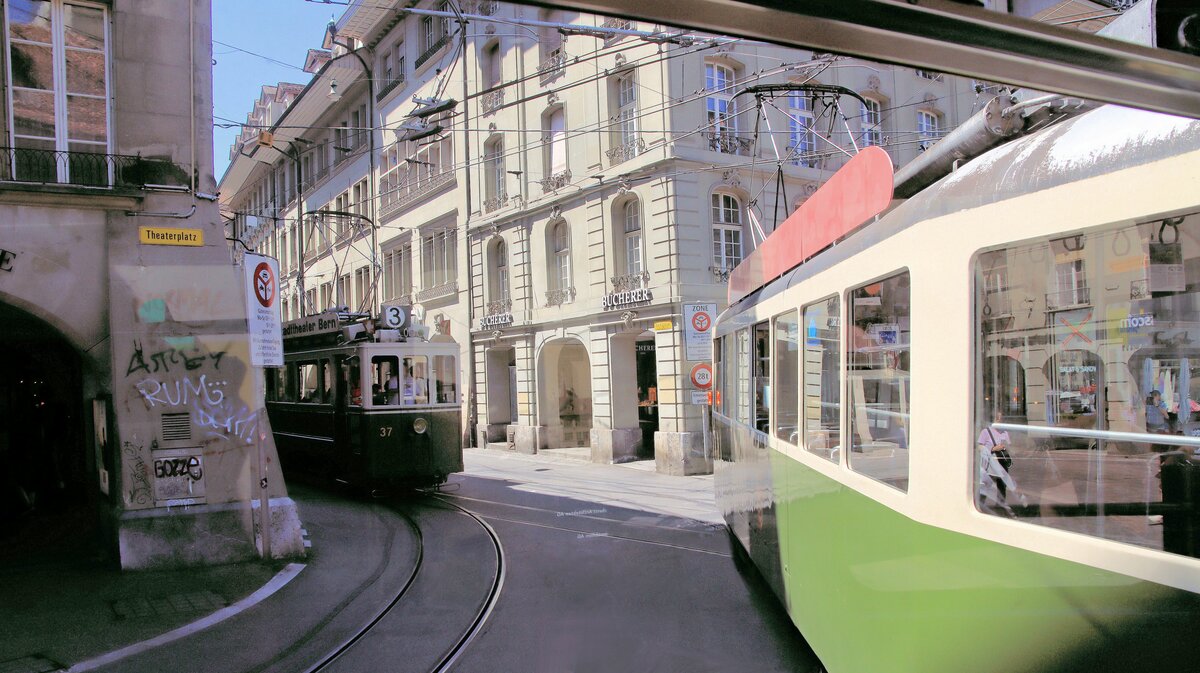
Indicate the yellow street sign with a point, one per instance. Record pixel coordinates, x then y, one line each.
170 236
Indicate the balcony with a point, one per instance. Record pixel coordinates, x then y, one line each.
631 281
1068 298
431 51
446 289
560 297
729 143
490 102
622 153
498 307
556 181
83 169
414 190
552 66
488 8
388 87
495 203
615 23
721 274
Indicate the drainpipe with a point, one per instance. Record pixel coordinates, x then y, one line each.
472 408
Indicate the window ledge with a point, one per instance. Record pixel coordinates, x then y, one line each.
76 197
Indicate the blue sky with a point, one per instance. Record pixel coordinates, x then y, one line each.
283 30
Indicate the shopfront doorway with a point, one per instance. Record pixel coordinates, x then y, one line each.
647 383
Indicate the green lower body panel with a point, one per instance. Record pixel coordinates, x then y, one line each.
874 591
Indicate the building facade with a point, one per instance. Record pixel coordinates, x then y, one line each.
554 190
129 411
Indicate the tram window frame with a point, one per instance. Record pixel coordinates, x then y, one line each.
761 370
287 375
315 393
742 383
328 380
719 375
1116 467
445 391
787 357
888 462
825 439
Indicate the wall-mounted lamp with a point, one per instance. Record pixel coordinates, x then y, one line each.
333 90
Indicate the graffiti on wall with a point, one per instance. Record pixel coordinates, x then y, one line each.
165 359
211 410
178 476
138 490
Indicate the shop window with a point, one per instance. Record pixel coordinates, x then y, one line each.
878 377
1095 403
822 383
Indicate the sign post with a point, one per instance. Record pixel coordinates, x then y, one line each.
266 350
698 321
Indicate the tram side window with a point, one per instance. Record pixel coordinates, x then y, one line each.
878 378
1087 401
385 379
762 377
742 391
283 388
327 381
309 378
822 378
718 374
445 377
415 385
787 375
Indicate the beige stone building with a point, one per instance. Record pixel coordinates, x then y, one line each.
129 408
591 180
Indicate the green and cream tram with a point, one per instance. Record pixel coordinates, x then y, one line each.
368 407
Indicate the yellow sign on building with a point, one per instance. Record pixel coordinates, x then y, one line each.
170 236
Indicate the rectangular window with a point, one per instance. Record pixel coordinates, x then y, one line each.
803 145
414 382
743 383
58 88
309 380
928 130
445 379
822 378
762 377
362 287
787 374
878 377
871 124
385 380
1113 381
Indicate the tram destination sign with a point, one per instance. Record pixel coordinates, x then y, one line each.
322 323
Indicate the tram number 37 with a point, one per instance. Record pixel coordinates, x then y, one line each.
385 431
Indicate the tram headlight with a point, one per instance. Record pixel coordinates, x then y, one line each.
420 425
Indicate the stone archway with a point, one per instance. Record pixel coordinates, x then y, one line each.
565 394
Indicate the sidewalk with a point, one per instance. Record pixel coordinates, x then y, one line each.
68 614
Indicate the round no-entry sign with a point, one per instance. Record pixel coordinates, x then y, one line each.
701 321
702 376
264 284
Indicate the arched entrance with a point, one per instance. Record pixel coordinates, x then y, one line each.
565 391
48 479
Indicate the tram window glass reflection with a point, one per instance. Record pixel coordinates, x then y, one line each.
762 377
718 374
445 378
283 388
309 378
742 400
327 380
787 377
878 379
385 379
414 380
1106 352
822 378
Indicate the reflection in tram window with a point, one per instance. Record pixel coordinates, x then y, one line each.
284 388
445 377
787 372
309 380
878 379
822 383
327 382
762 377
742 399
414 388
1105 349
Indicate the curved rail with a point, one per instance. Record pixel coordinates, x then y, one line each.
352 640
489 603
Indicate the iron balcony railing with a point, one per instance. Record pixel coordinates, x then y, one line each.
620 24
388 87
560 297
83 169
499 307
631 281
414 190
495 203
443 290
729 143
556 181
552 66
490 102
431 51
623 153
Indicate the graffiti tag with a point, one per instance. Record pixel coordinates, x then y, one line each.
162 360
140 491
179 467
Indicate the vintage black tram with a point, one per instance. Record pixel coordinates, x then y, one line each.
364 406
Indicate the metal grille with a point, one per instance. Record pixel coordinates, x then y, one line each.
176 427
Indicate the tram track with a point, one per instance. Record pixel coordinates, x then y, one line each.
378 624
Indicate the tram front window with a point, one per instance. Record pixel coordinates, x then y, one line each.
1103 438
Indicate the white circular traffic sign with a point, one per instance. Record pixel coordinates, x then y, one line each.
702 376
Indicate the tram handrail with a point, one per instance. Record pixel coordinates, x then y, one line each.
1113 435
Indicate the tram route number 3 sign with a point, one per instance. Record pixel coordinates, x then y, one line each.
698 322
